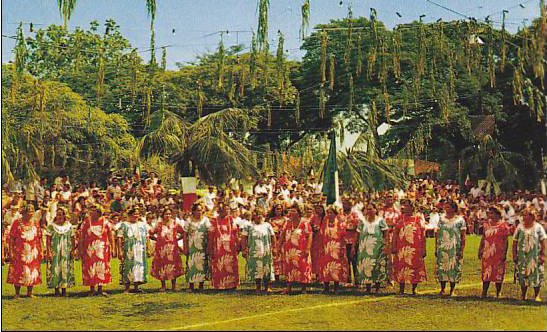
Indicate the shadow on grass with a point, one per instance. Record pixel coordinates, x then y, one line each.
474 298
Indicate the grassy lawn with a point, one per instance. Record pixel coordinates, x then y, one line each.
241 310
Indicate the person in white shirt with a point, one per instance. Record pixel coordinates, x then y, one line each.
260 188
210 198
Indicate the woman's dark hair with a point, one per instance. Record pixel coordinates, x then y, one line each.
131 212
453 205
195 206
271 214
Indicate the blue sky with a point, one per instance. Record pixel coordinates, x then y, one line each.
196 21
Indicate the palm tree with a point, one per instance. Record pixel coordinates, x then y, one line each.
488 159
66 7
360 167
211 145
151 8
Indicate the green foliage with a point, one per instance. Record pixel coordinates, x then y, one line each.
49 129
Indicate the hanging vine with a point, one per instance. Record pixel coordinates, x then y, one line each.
322 101
297 108
331 72
262 38
100 75
305 19
347 51
396 54
491 63
253 62
163 58
323 68
280 68
220 64
359 60
201 98
134 75
351 93
371 61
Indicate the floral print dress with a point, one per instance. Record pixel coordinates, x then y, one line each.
24 269
224 245
296 260
60 271
134 266
167 263
494 251
449 243
277 224
530 272
197 262
408 261
259 257
371 257
333 263
316 244
96 253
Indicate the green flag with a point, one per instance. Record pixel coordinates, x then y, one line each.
330 173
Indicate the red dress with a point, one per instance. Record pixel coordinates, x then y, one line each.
494 251
316 244
333 263
24 269
167 264
296 259
277 224
96 252
408 261
391 216
224 248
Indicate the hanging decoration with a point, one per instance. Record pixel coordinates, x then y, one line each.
382 75
163 58
331 72
405 99
280 67
397 40
491 63
269 111
297 108
371 61
373 115
262 37
201 98
100 76
233 84
148 106
220 64
322 101
253 60
323 68
452 75
134 75
264 59
347 51
387 106
359 61
351 93
305 19
242 78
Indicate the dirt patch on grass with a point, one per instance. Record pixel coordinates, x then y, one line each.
145 309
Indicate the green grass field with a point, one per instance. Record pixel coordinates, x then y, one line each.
241 310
